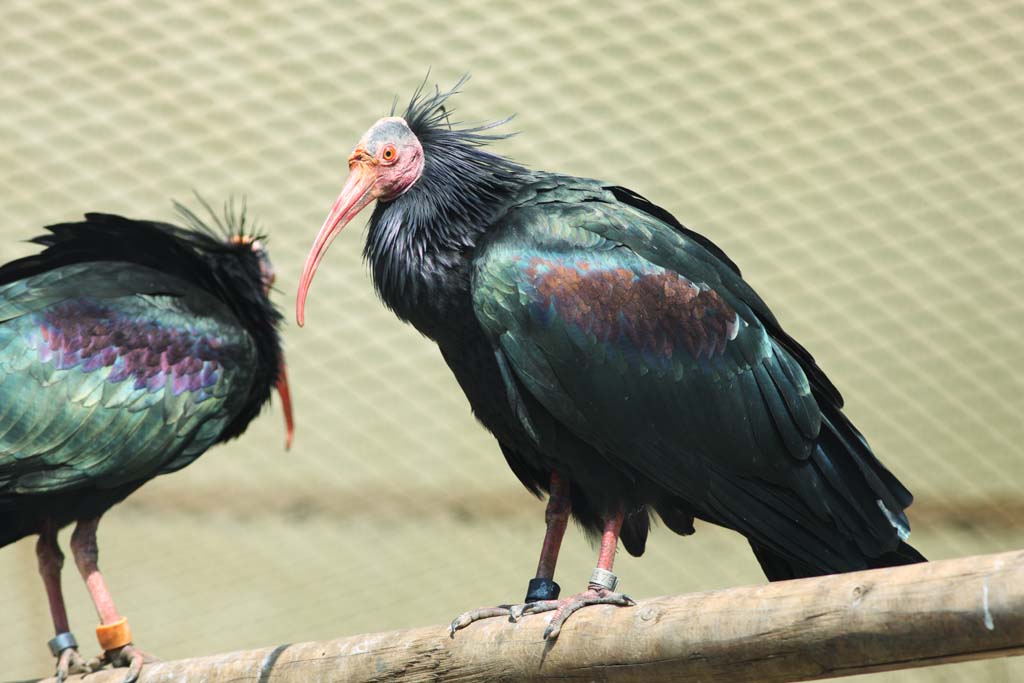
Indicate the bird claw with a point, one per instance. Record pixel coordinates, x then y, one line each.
128 656
517 611
466 618
562 608
565 607
71 662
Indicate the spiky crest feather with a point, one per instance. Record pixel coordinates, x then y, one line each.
232 225
415 237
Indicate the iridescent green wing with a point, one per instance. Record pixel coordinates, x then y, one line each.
112 373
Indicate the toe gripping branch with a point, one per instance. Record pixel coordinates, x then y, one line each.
542 589
115 635
61 642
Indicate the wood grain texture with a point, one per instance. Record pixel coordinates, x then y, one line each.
919 615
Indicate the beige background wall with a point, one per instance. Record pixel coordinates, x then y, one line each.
862 162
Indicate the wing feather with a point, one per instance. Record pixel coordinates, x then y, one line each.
109 373
644 341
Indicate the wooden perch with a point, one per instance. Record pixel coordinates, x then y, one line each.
955 610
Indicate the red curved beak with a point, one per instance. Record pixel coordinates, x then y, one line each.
286 404
357 193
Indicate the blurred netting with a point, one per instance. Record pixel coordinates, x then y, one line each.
862 162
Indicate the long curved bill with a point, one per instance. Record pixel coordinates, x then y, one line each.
286 405
357 193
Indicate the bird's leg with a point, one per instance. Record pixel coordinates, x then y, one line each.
542 586
113 633
63 644
601 589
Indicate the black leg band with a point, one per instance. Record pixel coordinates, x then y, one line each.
542 589
61 642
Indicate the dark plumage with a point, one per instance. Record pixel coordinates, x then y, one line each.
618 357
127 349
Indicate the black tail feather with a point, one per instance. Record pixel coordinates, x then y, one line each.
779 568
634 532
904 554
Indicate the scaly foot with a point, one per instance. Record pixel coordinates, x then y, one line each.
64 647
127 656
539 589
467 618
564 608
594 595
70 662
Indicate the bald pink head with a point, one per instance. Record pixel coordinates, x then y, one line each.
387 162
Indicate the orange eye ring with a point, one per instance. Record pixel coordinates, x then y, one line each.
389 154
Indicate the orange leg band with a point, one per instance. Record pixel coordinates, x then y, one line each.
115 635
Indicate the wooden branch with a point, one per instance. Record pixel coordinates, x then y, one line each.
970 608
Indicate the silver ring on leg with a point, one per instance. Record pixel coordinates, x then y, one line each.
602 578
61 642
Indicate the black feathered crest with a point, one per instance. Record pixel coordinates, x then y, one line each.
219 257
230 230
231 225
451 204
430 120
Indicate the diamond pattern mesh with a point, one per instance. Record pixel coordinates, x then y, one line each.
862 162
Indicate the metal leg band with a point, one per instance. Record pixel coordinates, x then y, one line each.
61 642
542 589
602 578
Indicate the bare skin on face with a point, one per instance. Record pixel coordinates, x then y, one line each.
386 162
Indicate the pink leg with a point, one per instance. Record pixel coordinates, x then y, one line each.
86 553
51 561
557 517
600 590
542 587
610 542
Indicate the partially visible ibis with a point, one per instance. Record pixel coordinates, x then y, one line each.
621 361
127 349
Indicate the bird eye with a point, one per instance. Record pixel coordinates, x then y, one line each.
389 153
